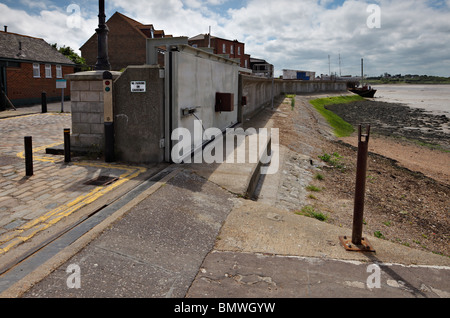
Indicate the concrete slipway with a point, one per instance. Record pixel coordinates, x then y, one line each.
193 234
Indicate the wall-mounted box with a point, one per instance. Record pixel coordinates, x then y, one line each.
224 102
244 100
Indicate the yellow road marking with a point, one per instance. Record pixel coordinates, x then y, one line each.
50 218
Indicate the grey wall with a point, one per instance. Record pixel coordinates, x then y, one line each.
196 76
138 117
259 90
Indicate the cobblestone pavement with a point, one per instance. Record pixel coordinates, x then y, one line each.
30 205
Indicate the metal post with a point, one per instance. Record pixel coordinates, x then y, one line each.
102 38
67 145
360 188
357 242
62 100
28 156
44 102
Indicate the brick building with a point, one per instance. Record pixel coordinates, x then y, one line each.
233 49
29 66
126 42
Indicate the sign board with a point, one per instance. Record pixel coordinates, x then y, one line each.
61 83
138 86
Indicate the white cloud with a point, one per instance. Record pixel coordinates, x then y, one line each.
301 35
413 38
174 16
50 25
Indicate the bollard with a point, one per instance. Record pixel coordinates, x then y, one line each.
66 145
28 156
44 102
357 242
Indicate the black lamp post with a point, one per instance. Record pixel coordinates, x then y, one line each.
102 36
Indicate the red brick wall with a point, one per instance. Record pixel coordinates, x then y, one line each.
126 45
21 85
218 43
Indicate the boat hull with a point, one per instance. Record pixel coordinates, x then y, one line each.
369 93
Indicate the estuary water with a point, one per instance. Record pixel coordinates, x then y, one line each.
432 98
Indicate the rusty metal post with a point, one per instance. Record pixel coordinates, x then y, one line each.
357 242
360 188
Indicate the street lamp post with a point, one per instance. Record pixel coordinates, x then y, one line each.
102 36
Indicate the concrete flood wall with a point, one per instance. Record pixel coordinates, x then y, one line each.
259 90
139 115
193 78
175 96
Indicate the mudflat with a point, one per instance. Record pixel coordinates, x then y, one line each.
407 186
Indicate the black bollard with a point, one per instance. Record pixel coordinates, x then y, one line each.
28 156
66 145
44 102
109 142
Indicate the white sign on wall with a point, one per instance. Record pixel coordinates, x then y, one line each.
138 86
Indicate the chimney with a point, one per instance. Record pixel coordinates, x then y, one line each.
209 37
6 28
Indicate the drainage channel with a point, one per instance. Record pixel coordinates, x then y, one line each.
30 261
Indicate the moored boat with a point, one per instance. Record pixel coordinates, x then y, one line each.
364 90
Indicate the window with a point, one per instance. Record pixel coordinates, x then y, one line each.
13 64
48 71
224 48
58 71
36 70
232 49
239 50
246 63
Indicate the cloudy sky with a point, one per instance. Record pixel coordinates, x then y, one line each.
394 36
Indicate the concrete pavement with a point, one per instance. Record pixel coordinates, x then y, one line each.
192 234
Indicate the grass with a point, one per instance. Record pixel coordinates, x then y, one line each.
313 188
341 127
311 212
292 97
319 176
333 159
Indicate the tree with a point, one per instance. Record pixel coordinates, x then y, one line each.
70 53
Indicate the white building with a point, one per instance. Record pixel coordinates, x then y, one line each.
298 75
